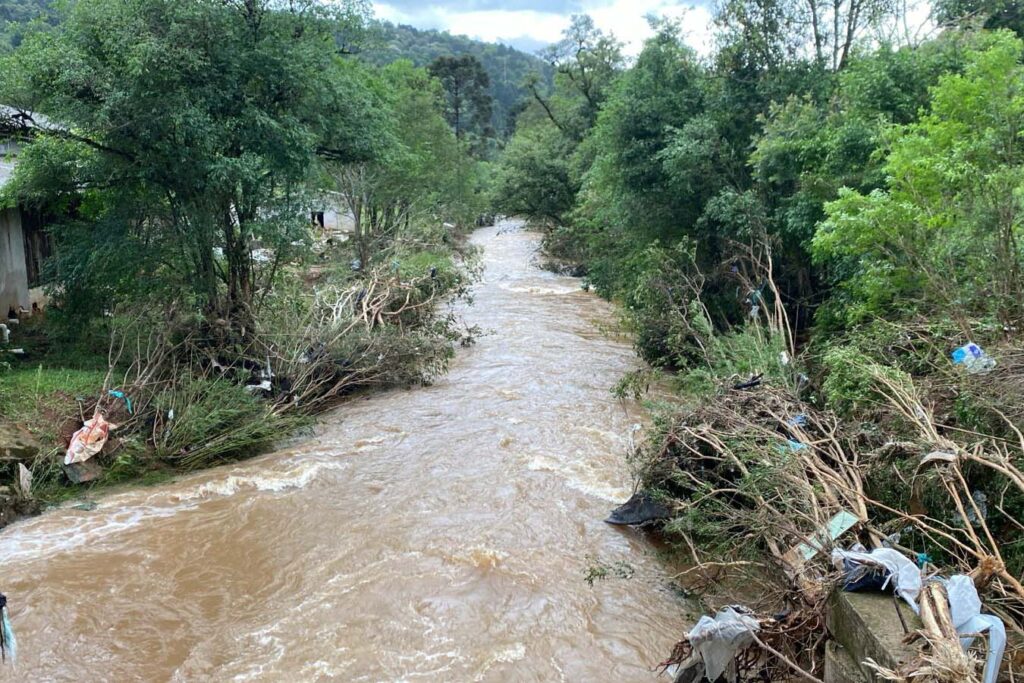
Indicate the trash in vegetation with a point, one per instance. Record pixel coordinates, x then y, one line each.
965 608
89 440
980 507
24 480
121 395
792 446
784 358
973 359
5 334
263 386
8 643
840 523
639 509
716 642
902 574
754 381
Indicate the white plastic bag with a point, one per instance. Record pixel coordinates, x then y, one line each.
719 639
89 440
965 609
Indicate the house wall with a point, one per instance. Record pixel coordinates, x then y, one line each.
13 273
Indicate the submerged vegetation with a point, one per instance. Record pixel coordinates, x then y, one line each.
803 229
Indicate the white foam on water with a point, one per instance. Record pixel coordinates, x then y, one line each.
509 655
66 529
297 477
555 289
581 474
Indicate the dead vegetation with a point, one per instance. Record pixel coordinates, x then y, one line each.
753 474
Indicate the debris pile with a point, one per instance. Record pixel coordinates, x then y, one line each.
764 489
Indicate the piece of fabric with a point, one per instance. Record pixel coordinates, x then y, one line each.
904 575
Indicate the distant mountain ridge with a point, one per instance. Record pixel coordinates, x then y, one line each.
506 66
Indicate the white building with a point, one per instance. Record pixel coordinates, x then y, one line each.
24 245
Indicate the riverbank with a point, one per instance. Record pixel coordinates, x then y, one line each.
174 393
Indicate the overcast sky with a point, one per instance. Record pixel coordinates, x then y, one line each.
532 24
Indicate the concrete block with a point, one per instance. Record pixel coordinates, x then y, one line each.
866 625
839 665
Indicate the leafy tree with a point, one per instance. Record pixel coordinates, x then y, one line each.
467 100
585 61
944 233
423 177
181 136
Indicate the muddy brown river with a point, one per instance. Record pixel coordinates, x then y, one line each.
438 534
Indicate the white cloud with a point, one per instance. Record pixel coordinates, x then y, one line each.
625 18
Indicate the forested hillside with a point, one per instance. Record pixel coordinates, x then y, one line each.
14 14
507 67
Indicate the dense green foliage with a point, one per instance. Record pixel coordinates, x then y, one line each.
506 67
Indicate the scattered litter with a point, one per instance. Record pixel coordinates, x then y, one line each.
784 358
87 506
639 509
981 504
24 480
716 641
5 334
840 523
974 359
8 644
793 446
18 352
965 608
797 421
88 441
267 372
262 386
901 573
170 414
754 381
121 395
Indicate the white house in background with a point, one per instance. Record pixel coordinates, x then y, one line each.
24 245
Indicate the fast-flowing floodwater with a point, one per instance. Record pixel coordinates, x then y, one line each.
440 533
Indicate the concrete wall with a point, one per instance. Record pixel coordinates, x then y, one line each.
13 275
